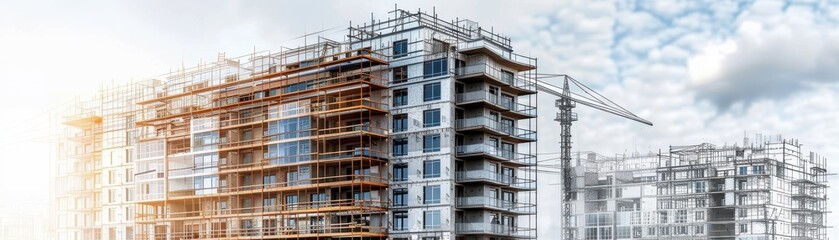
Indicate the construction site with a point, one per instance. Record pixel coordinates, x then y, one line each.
412 127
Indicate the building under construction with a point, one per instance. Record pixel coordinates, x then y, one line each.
768 189
93 170
413 127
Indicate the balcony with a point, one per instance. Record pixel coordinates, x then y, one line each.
521 85
486 150
482 124
495 178
489 125
519 135
519 111
492 101
495 204
494 229
507 107
484 72
499 53
362 129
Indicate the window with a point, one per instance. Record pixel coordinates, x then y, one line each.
268 204
247 205
431 143
400 97
431 118
700 216
400 221
431 169
431 92
623 232
400 172
400 48
438 46
744 228
431 219
744 170
507 76
400 122
699 187
291 178
681 216
758 169
591 233
400 197
681 230
269 180
317 198
431 194
400 74
291 202
400 147
434 68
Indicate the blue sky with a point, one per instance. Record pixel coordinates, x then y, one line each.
702 71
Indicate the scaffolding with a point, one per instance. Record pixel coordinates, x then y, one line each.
300 143
269 145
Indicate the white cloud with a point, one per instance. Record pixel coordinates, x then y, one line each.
766 62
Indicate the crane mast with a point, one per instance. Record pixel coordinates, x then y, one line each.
566 103
565 117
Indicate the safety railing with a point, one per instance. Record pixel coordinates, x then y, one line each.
490 202
353 129
281 230
485 122
499 51
498 178
287 208
275 159
522 109
501 77
479 96
281 186
494 229
492 124
494 151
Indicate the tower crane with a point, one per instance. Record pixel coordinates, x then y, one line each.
566 102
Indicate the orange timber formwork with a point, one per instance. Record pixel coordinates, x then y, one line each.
277 149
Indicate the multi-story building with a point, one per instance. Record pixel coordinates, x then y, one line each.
462 130
93 171
413 128
764 190
77 186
